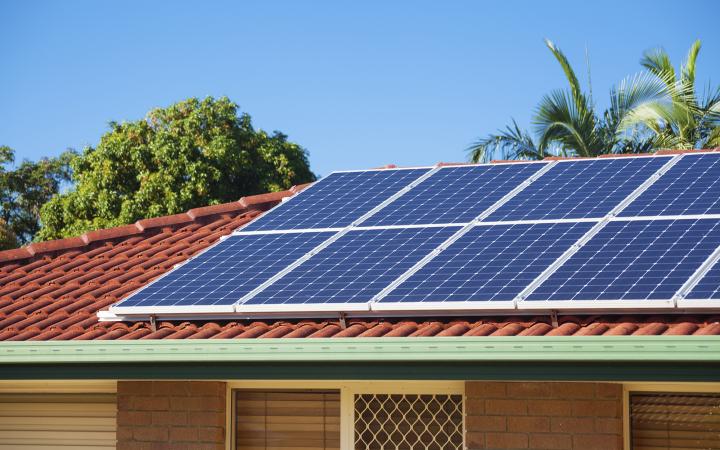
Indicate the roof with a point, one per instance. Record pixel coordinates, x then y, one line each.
53 291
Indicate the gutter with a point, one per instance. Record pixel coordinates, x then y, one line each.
590 349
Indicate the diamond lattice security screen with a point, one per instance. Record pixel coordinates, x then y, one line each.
418 422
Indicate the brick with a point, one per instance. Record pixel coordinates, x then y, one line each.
597 442
572 425
197 403
475 440
528 424
549 407
155 434
207 388
184 434
150 403
609 390
142 418
485 389
486 423
596 408
506 440
529 390
170 418
206 419
211 434
573 390
134 387
474 406
608 426
171 388
509 407
124 433
549 441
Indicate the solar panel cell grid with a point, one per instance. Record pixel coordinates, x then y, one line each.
336 201
454 194
226 272
489 263
355 267
691 186
579 189
633 260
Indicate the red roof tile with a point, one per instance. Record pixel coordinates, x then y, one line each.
53 290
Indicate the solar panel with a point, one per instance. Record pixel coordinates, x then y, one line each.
355 267
633 260
224 273
579 189
691 186
708 288
454 194
489 263
337 200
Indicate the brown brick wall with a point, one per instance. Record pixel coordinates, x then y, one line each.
543 416
171 415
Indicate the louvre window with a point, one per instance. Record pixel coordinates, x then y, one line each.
57 421
275 419
664 421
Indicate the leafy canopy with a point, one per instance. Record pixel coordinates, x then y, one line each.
191 154
23 191
652 110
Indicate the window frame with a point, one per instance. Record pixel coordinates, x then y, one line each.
630 388
347 389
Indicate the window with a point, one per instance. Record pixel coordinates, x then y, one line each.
374 415
421 422
674 420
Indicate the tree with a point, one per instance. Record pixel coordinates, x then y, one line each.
23 191
567 123
680 119
193 153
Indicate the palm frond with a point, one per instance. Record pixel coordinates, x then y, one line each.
567 68
687 70
510 143
558 119
657 61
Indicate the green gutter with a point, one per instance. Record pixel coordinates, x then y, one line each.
703 349
611 358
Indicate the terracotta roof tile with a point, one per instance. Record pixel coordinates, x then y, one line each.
53 290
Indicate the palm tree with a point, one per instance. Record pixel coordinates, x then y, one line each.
566 122
678 120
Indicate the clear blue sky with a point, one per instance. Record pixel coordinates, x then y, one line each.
359 84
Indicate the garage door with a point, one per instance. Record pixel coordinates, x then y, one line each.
57 421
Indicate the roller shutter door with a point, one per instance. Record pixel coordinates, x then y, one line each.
57 421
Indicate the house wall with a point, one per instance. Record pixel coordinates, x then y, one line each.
542 415
171 415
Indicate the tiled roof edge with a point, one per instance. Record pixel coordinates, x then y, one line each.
254 202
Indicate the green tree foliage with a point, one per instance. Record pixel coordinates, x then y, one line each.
567 122
193 153
684 118
23 191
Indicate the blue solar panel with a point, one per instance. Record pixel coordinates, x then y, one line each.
691 186
336 201
489 263
579 189
454 194
227 271
708 287
633 260
355 267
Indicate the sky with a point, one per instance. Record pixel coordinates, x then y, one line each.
358 84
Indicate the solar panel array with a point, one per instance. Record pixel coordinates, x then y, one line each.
602 233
